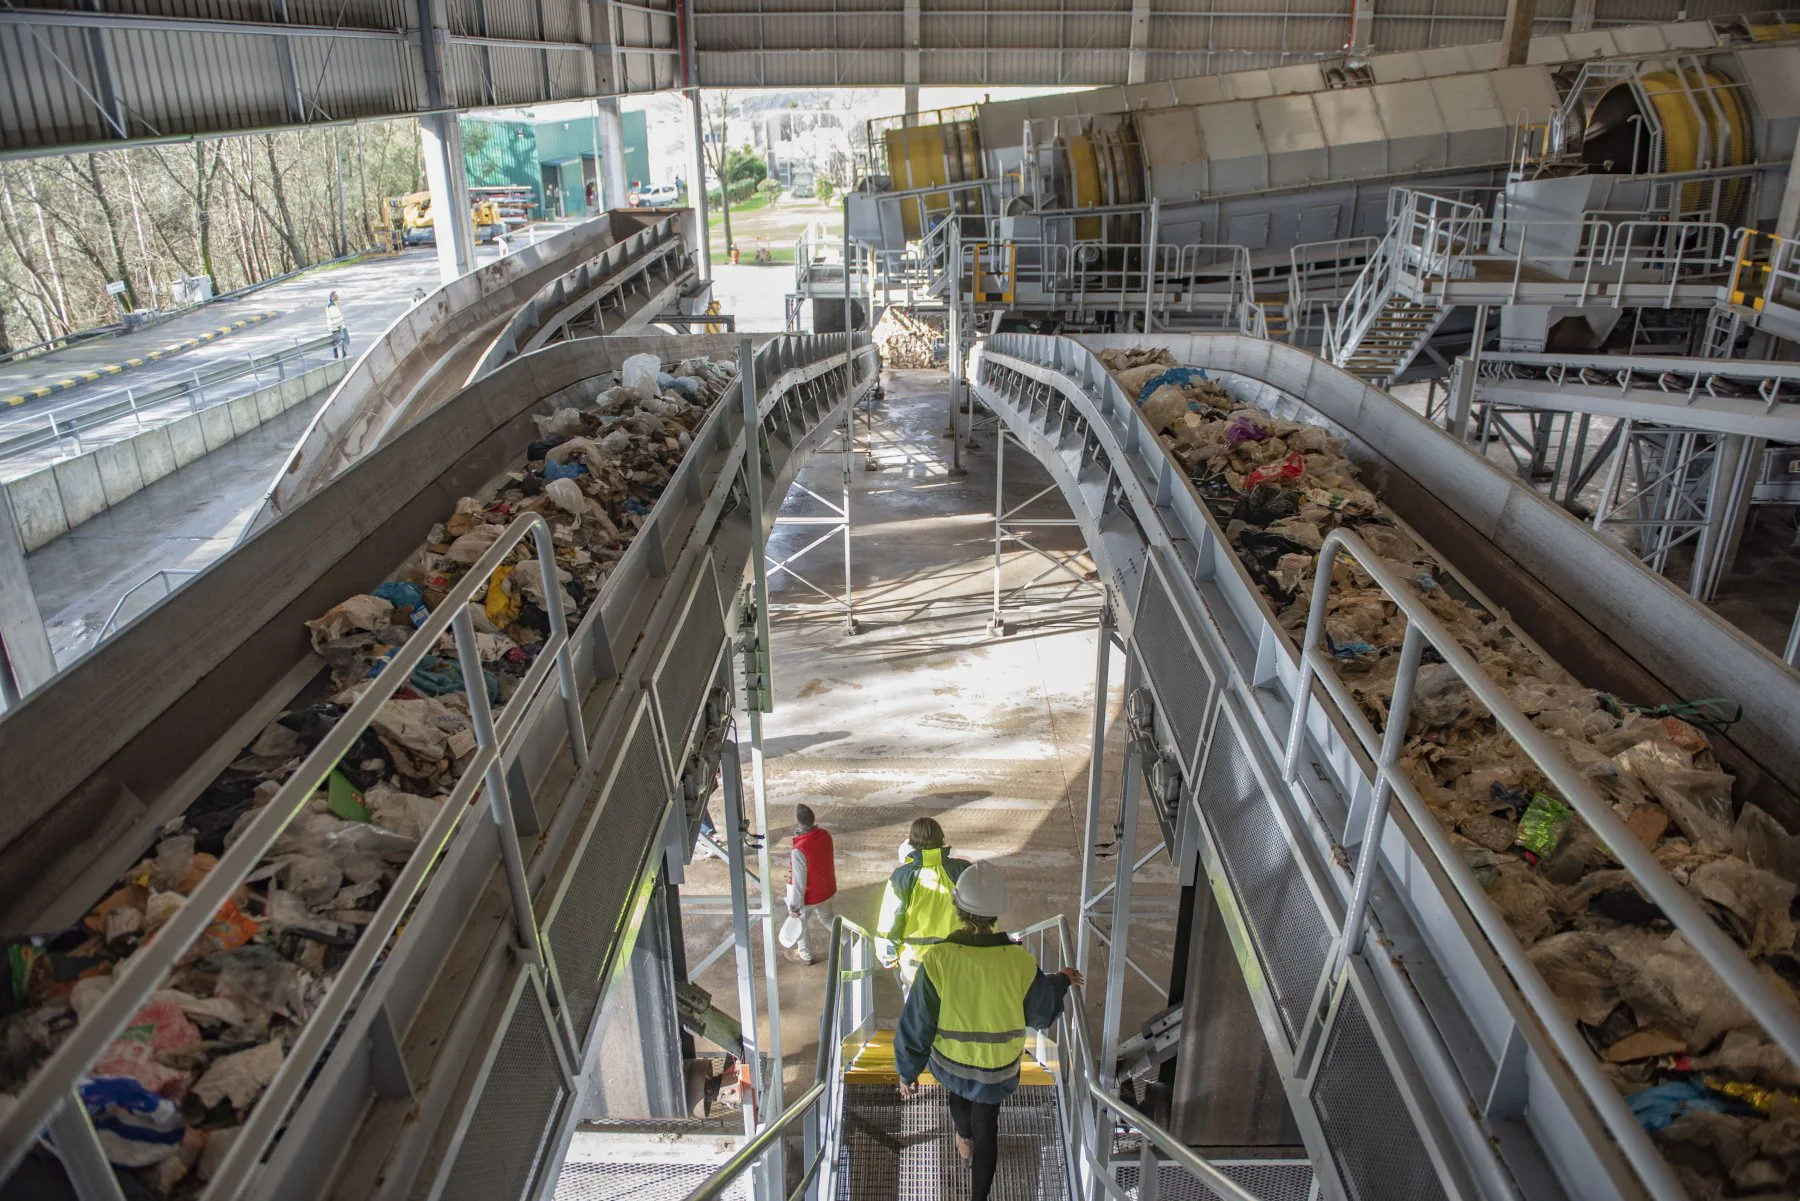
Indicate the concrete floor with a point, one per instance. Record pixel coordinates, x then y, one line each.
924 713
184 520
371 292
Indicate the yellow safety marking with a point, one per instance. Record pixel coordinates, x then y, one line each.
154 356
874 1064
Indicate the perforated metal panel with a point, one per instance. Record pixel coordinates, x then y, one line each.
1266 1180
517 1110
638 1182
686 671
1290 934
1377 1148
584 921
896 1149
1178 675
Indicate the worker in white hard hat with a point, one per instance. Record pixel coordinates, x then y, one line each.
974 997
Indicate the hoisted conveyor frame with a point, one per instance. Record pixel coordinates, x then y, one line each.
1434 1003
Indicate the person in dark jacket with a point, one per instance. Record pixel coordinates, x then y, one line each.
916 908
974 997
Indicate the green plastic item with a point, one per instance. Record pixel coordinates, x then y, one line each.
1545 822
344 798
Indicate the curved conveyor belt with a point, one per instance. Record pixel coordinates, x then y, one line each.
454 1067
1436 1063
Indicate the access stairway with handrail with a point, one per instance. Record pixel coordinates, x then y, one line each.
1060 1133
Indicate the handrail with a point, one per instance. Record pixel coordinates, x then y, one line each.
714 1186
1733 967
827 1080
161 573
53 1085
1185 1156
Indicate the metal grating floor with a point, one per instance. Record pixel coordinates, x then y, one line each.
1267 1180
638 1182
896 1149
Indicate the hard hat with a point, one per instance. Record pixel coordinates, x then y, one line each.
981 890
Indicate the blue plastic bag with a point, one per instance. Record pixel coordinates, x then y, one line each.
1174 375
401 594
136 1126
554 471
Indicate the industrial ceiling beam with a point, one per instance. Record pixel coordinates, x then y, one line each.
1137 67
1515 36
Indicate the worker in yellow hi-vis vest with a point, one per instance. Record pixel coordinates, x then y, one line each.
976 994
916 908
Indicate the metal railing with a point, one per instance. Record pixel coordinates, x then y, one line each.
1434 243
51 1095
52 427
848 1014
1090 1113
1391 784
163 574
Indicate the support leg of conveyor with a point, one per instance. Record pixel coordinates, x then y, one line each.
1125 862
732 774
1096 780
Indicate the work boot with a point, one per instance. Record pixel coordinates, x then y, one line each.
964 1148
800 955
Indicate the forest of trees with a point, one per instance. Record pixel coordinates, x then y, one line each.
240 210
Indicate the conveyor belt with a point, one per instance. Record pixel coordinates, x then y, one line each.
1427 1072
452 1073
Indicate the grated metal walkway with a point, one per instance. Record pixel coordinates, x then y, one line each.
896 1149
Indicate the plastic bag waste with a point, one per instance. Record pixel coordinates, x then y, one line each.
791 930
639 373
137 1127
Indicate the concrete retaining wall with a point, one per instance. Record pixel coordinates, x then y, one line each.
49 503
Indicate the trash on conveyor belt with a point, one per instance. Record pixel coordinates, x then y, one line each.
1721 1099
909 339
170 1093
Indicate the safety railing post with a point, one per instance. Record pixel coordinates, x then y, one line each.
1412 647
559 624
1096 779
481 717
83 1157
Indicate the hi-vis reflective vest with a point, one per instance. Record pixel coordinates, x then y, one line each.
930 908
981 1008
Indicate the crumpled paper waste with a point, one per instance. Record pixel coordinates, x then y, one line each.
1645 1000
182 1079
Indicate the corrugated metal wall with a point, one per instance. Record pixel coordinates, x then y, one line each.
360 58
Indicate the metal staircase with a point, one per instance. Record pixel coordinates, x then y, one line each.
862 1142
1380 328
1393 339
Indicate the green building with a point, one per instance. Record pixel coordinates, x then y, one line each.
554 154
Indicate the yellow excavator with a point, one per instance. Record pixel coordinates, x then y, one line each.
493 211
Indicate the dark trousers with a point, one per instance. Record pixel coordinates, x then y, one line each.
980 1124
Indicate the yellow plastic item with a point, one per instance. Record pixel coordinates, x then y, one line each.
503 603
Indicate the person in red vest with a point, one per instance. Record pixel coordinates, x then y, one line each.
812 878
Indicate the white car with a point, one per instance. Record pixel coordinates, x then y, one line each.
659 195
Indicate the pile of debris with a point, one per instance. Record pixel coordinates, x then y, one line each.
172 1091
908 339
1721 1099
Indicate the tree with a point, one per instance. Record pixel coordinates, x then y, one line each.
718 157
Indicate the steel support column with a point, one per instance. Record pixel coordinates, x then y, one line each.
696 176
610 134
731 772
770 1168
448 181
1103 639
1125 860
